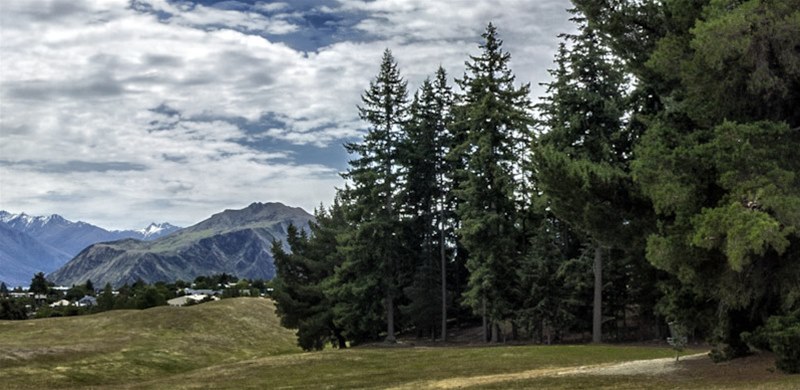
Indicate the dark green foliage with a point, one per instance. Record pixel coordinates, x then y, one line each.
582 163
555 282
374 260
494 114
106 299
12 309
428 217
39 285
781 334
717 158
299 294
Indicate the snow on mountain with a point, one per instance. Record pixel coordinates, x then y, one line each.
156 230
67 237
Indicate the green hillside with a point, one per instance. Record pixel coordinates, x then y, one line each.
130 346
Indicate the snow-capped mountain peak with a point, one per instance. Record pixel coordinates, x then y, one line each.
157 230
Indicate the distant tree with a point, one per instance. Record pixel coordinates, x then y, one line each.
106 299
11 309
149 296
494 113
3 289
76 292
39 284
89 287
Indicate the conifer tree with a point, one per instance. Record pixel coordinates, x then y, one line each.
583 158
374 247
723 84
424 200
492 113
302 276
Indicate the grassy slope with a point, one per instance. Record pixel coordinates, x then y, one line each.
130 346
237 344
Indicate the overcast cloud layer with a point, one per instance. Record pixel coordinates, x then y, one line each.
120 112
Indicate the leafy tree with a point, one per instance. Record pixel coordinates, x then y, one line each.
374 256
149 296
302 275
493 113
76 292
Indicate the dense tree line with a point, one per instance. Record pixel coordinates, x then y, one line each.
139 295
657 184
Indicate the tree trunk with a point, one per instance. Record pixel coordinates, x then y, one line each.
597 309
444 272
483 313
390 318
341 340
495 332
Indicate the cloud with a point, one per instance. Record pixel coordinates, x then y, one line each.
129 111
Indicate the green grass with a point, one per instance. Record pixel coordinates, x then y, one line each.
238 344
130 345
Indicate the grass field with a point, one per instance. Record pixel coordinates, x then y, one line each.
237 344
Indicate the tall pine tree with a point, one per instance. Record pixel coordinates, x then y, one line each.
424 201
583 157
375 259
492 113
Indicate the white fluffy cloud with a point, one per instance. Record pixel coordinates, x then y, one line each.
120 112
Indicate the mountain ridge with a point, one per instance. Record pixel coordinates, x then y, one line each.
236 242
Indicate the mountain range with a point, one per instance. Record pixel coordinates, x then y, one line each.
33 244
236 242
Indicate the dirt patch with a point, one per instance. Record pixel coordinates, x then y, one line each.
634 367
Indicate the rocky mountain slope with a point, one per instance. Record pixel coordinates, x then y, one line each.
234 241
72 237
21 256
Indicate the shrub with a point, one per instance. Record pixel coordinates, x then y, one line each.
781 335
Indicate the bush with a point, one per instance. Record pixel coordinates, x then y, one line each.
781 335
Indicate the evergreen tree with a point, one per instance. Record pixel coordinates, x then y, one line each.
553 300
424 151
302 275
374 247
716 159
492 113
39 285
106 299
583 158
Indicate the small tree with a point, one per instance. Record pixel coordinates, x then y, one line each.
678 340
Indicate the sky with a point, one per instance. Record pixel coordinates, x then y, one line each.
124 112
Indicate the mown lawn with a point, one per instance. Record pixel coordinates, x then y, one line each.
238 344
